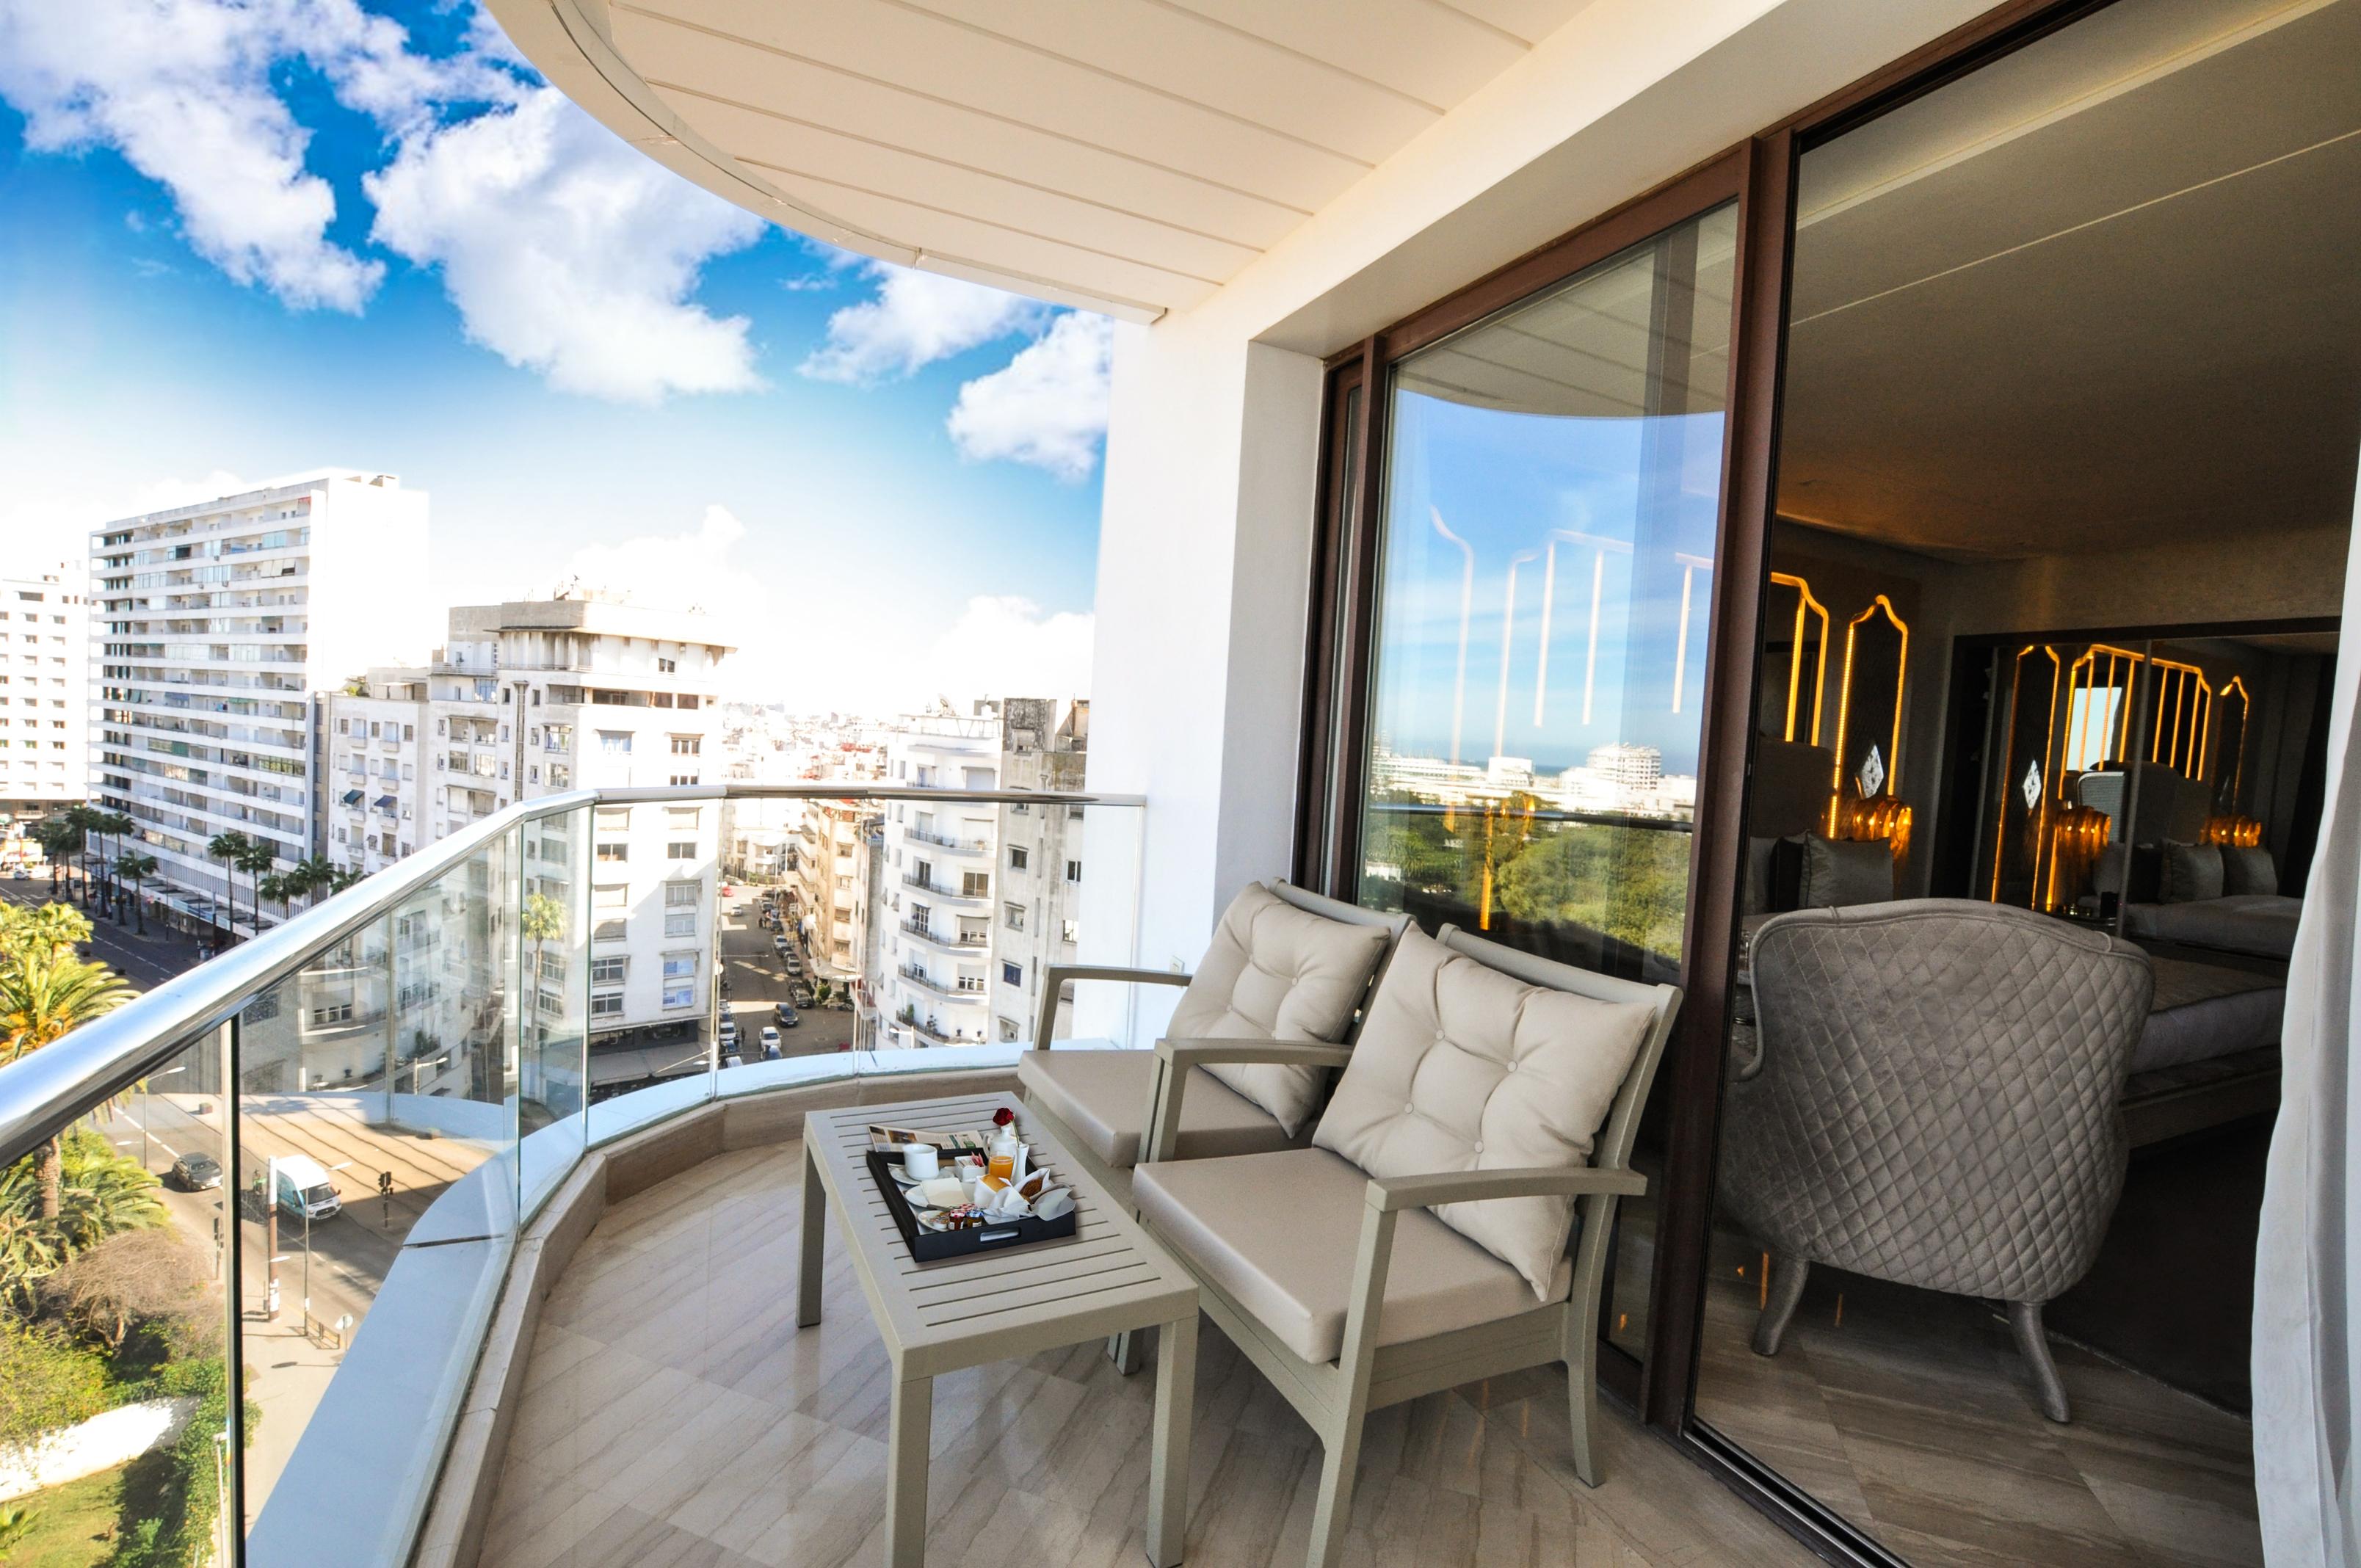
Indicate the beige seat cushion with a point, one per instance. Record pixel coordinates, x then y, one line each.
1275 973
1103 1096
1276 1232
1462 1067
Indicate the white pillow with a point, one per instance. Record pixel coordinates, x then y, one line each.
1462 1067
1277 972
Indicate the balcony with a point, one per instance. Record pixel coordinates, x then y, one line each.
966 846
933 889
925 933
487 1125
951 991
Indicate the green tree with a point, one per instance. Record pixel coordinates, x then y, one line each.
281 889
55 929
137 867
44 996
59 840
115 825
226 847
85 820
258 860
313 876
1630 883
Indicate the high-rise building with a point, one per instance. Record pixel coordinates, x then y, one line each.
44 690
377 737
535 697
221 628
977 898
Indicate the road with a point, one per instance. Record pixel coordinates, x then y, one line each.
759 981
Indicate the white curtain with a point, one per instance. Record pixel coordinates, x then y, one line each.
2307 1262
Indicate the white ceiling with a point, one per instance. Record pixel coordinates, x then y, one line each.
2100 295
1133 155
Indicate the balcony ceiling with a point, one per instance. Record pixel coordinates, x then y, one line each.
1130 155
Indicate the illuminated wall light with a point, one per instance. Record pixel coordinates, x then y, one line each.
1806 605
2237 687
1844 704
2051 771
2242 831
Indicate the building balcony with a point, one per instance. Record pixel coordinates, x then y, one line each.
925 933
966 846
950 990
937 890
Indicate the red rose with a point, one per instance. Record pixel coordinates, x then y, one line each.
1002 1116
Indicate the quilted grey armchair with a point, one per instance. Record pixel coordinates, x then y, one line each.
1934 1103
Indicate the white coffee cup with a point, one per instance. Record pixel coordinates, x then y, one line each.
921 1162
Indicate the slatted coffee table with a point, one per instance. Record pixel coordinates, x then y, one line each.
1106 1278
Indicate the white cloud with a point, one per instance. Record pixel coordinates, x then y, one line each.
672 571
1047 406
915 319
182 89
828 654
568 252
43 524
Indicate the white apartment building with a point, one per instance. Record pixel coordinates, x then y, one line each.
535 697
218 630
44 690
836 854
376 735
977 898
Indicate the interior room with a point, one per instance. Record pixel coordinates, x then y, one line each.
2050 625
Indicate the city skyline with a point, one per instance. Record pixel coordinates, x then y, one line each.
407 255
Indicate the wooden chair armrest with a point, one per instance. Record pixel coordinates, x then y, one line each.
1175 1057
1391 1193
1055 976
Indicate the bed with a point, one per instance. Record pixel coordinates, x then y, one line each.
2261 925
2210 1053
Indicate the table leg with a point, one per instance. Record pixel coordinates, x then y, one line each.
815 1239
905 1472
1168 1465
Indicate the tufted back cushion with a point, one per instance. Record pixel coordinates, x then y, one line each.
1277 972
1462 1067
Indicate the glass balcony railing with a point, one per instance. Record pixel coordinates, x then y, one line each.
336 1137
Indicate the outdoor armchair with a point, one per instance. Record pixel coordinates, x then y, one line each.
1284 965
1450 1219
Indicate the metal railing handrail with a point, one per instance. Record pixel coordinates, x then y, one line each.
46 1091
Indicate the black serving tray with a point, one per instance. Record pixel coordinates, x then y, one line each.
933 1246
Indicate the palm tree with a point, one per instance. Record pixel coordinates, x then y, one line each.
43 997
117 823
226 847
138 868
59 840
281 889
257 859
318 876
55 929
85 821
28 1253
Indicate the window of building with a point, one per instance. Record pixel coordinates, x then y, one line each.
609 970
1069 932
1011 974
615 852
679 779
684 895
680 966
1007 1027
688 745
1014 915
666 666
1016 857
606 1003
682 994
614 819
612 894
680 923
975 884
682 817
681 849
335 1012
609 931
615 742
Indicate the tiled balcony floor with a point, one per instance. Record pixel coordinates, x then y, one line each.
674 1414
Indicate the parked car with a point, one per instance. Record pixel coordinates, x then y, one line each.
195 1172
770 1043
800 995
734 1059
779 945
729 1032
787 1015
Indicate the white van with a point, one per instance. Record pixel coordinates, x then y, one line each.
303 1188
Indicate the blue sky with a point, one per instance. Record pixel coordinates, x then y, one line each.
1511 486
388 246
